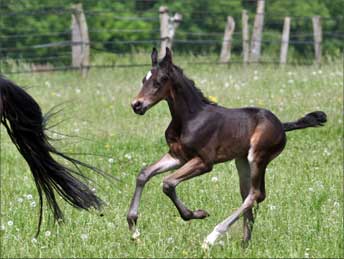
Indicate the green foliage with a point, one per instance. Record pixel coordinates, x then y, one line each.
111 25
301 217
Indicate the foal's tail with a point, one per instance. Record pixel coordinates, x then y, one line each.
313 119
25 124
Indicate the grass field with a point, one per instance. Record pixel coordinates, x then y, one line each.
302 215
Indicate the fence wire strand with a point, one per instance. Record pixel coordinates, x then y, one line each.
19 53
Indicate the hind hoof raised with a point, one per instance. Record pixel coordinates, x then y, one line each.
200 214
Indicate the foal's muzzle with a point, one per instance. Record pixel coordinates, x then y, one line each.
138 107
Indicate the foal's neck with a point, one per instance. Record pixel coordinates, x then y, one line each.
183 103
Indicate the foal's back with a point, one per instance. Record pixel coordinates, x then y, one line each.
235 131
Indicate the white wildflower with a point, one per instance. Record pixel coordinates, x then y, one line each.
128 156
20 200
272 207
84 237
2 227
33 204
47 233
29 197
34 240
111 225
214 179
320 185
10 223
111 160
327 152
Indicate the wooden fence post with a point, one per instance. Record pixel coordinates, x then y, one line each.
256 42
227 40
168 27
317 32
80 40
163 10
172 27
245 36
285 41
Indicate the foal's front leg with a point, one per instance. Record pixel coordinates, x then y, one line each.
166 163
192 168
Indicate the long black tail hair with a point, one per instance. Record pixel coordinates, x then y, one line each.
25 124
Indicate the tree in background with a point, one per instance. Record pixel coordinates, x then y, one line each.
114 24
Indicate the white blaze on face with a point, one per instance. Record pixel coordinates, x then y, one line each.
149 74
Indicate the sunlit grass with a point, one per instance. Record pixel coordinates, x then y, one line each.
301 217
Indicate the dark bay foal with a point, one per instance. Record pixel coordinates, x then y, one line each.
202 134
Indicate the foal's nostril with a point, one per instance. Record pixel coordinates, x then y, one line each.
137 105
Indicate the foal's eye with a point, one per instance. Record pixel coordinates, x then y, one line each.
156 84
164 79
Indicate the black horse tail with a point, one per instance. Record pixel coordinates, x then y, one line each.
313 119
25 124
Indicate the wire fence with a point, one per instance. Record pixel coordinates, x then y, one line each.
29 51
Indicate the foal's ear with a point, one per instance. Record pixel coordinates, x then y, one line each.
154 57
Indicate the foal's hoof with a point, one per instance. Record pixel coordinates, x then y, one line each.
200 214
206 246
136 234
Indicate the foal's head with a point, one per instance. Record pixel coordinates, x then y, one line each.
156 84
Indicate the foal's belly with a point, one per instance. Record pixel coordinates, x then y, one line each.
227 153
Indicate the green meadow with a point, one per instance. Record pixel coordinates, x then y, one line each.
302 215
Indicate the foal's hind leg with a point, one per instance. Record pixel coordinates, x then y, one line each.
244 172
192 168
254 195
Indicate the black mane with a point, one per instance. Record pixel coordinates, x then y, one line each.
187 85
